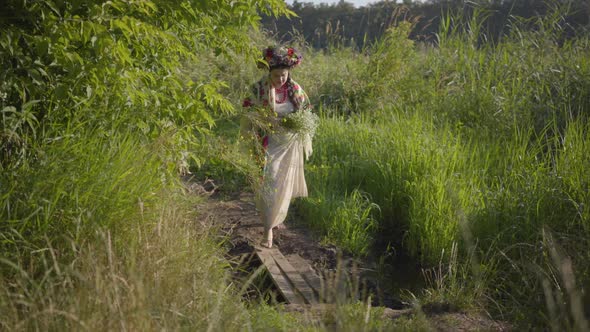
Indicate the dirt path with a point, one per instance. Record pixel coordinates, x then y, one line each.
241 221
238 219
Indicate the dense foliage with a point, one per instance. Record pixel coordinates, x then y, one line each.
83 81
102 104
468 155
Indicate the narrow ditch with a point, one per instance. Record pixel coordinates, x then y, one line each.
345 281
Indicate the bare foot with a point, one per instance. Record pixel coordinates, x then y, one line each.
280 226
267 242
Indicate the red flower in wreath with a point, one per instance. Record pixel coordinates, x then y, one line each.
279 57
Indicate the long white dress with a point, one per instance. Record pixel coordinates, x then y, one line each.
284 178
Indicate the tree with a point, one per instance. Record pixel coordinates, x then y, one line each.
84 61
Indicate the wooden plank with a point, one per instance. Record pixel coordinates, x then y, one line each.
295 277
308 274
283 284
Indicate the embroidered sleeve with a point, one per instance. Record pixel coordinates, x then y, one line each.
258 95
299 97
252 98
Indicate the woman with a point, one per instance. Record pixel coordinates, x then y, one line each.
283 177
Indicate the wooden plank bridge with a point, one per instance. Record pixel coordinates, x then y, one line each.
296 281
300 285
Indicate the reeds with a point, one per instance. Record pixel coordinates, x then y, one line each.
472 148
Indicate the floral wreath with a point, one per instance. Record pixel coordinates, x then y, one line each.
273 57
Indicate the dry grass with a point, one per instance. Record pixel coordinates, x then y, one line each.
166 273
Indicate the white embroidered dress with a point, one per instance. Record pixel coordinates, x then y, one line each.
283 178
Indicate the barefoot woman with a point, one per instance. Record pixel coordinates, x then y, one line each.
283 177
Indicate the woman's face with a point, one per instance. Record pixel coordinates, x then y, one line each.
279 77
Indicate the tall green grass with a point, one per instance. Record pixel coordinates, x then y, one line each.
466 144
165 272
101 107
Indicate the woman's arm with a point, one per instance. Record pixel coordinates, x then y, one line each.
298 97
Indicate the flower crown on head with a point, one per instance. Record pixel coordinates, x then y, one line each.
273 57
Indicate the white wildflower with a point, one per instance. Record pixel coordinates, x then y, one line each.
301 122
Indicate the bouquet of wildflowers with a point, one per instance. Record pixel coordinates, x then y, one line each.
301 122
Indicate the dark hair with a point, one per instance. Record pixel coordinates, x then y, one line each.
279 67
